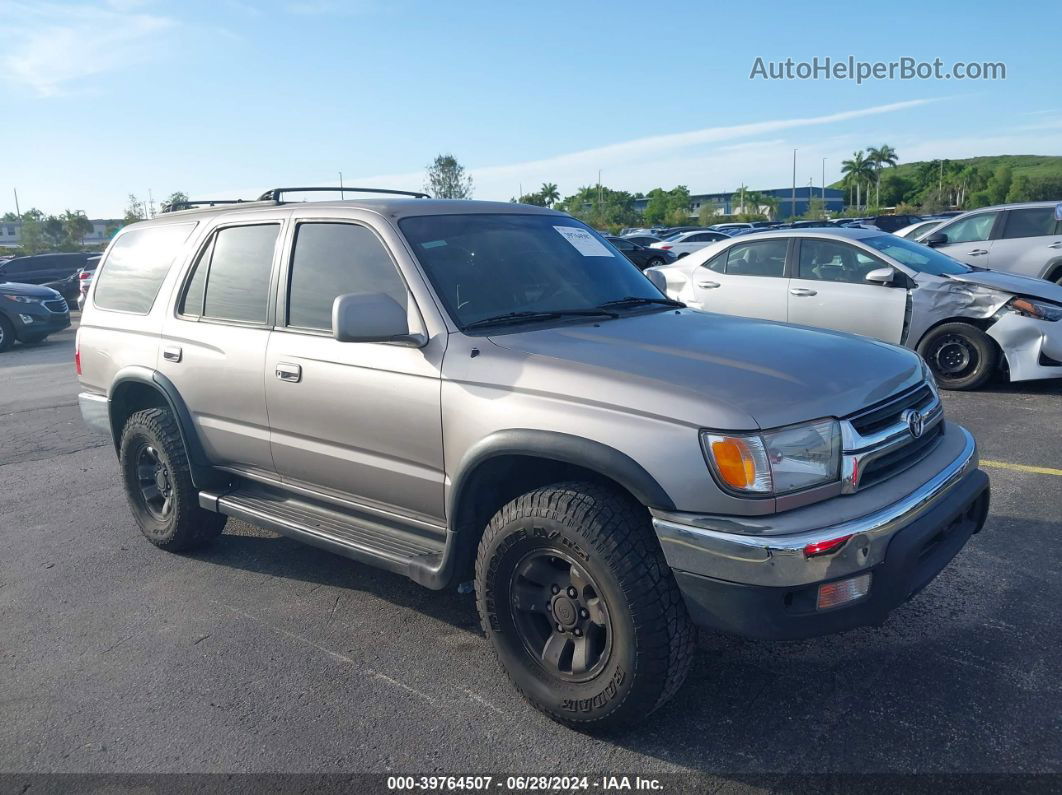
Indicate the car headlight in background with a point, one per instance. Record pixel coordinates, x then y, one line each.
1041 310
23 299
776 462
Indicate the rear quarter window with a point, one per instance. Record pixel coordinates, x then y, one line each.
130 277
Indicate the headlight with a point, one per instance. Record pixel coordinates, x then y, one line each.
776 462
23 299
1041 310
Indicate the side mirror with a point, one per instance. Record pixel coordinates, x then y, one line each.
657 278
936 239
881 276
372 317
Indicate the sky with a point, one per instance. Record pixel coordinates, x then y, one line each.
228 98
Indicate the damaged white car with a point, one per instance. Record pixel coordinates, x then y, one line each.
968 323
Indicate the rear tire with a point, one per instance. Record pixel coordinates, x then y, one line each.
655 262
961 356
580 606
158 484
7 334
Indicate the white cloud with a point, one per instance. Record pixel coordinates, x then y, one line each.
48 45
688 158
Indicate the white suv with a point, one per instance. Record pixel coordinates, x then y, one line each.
1020 238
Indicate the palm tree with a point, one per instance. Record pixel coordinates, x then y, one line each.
549 193
879 158
857 171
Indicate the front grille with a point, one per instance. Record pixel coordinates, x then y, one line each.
888 412
58 306
894 462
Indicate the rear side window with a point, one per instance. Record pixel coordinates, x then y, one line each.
759 258
1032 222
332 260
130 278
231 276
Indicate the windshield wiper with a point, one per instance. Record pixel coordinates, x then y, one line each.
519 317
635 300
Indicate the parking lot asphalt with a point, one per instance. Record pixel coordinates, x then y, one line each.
259 654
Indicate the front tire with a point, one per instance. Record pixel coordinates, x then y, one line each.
158 484
655 262
580 606
961 356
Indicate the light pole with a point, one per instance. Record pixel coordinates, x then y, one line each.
792 198
824 184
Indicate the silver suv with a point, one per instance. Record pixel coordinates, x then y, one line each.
1020 238
489 394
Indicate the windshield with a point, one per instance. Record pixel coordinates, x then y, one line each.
489 266
916 256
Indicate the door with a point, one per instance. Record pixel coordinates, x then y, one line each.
746 279
829 290
970 238
1031 239
213 348
361 420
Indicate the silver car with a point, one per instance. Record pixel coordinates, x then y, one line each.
489 396
1018 238
967 322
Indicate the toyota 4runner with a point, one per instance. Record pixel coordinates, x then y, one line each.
481 392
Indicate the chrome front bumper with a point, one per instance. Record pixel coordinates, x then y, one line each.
779 560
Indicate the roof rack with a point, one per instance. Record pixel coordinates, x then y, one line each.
275 194
187 204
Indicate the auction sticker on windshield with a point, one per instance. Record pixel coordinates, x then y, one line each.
584 242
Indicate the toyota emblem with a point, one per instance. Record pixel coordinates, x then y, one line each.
916 422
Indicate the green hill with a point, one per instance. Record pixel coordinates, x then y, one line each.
969 182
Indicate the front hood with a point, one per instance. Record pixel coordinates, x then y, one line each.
711 370
32 290
1013 283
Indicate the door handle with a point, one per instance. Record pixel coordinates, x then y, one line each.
1056 244
172 353
708 285
977 252
292 373
803 291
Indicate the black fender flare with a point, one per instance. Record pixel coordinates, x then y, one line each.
566 448
202 473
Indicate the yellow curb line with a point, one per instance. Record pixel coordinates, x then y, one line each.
1022 468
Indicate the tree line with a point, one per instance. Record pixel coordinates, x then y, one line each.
872 180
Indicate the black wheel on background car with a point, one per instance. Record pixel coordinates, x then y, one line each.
158 485
655 262
580 606
961 356
7 334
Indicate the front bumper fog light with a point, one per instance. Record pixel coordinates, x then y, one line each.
835 594
27 319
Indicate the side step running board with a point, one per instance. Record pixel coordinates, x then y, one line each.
361 537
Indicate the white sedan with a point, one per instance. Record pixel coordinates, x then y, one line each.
914 231
687 242
968 323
